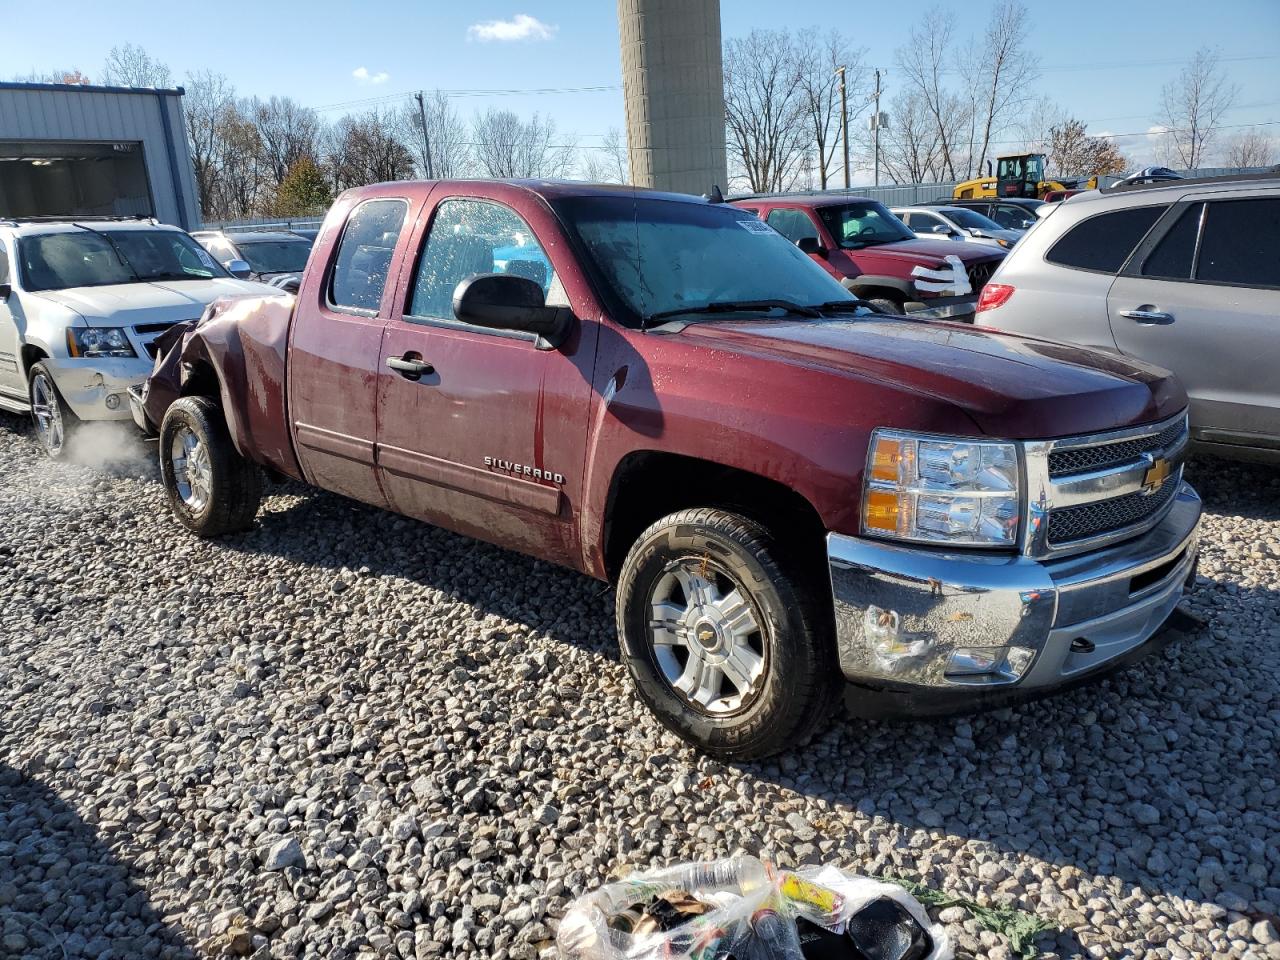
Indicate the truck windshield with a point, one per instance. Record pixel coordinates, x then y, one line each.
865 223
665 256
96 258
275 256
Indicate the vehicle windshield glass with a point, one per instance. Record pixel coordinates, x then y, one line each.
657 256
969 219
865 223
275 256
96 258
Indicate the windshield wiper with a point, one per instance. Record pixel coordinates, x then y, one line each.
124 261
735 306
838 306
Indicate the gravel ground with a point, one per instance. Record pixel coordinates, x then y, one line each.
347 734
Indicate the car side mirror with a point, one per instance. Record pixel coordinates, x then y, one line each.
5 290
941 228
292 285
812 246
503 301
238 269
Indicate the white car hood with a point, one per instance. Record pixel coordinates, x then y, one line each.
162 301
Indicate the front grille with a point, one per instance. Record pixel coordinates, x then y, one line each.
152 349
979 274
1065 463
1105 516
154 327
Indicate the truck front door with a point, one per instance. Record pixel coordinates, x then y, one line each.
335 353
479 430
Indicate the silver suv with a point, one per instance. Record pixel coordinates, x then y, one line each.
1184 274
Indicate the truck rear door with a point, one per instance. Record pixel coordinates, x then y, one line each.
335 350
479 430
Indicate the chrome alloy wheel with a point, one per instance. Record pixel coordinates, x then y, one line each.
192 472
706 637
46 409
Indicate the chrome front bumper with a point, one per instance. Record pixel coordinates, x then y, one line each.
910 619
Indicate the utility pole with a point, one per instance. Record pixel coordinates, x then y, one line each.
426 142
844 125
877 127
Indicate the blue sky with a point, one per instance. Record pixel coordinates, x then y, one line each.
1103 61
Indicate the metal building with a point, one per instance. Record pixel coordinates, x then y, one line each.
673 82
95 151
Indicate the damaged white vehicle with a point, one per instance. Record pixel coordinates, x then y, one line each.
81 302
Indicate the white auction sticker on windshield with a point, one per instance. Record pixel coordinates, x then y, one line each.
756 226
205 258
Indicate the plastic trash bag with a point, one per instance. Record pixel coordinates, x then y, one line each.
746 909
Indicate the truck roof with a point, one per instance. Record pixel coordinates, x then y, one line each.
817 198
548 189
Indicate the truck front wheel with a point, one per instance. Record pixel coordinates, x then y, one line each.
726 644
212 489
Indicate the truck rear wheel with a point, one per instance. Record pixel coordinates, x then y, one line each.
726 644
212 489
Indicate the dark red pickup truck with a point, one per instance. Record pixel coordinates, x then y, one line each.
795 495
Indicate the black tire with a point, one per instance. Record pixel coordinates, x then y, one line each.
55 425
799 683
234 483
885 305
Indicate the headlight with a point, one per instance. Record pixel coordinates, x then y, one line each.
99 342
1007 244
936 490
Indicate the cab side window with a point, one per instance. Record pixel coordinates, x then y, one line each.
792 224
469 238
364 255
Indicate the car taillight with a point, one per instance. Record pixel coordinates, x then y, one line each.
994 295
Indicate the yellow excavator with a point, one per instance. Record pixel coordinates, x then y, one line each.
1019 175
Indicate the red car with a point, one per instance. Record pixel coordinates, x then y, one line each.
797 496
876 257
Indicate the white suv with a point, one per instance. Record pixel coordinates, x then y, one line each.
81 303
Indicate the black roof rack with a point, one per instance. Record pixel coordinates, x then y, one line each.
128 218
1272 173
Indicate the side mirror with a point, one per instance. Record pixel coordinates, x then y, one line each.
291 285
503 301
941 228
238 269
1028 224
812 246
5 290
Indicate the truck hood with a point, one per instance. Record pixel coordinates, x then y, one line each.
1011 386
163 301
910 253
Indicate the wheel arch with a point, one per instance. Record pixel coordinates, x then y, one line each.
648 484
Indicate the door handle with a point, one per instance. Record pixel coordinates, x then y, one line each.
411 368
1147 315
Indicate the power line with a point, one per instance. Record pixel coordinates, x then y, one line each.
472 92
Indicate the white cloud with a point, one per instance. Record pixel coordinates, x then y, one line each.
363 75
520 27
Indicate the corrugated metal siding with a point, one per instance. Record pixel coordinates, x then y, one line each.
86 114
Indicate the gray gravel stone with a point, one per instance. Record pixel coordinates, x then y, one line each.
448 808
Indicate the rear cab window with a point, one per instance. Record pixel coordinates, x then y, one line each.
365 254
1104 242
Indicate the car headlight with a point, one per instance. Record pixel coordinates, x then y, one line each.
936 490
92 342
1007 244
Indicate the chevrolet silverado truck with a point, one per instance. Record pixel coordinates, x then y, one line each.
877 257
796 496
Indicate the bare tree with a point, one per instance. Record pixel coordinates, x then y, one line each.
288 132
508 147
132 66
614 147
447 132
367 149
1070 150
925 60
1001 76
242 176
72 77
1192 106
818 54
765 109
209 97
910 147
1251 149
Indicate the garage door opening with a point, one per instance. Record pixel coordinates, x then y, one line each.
56 178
